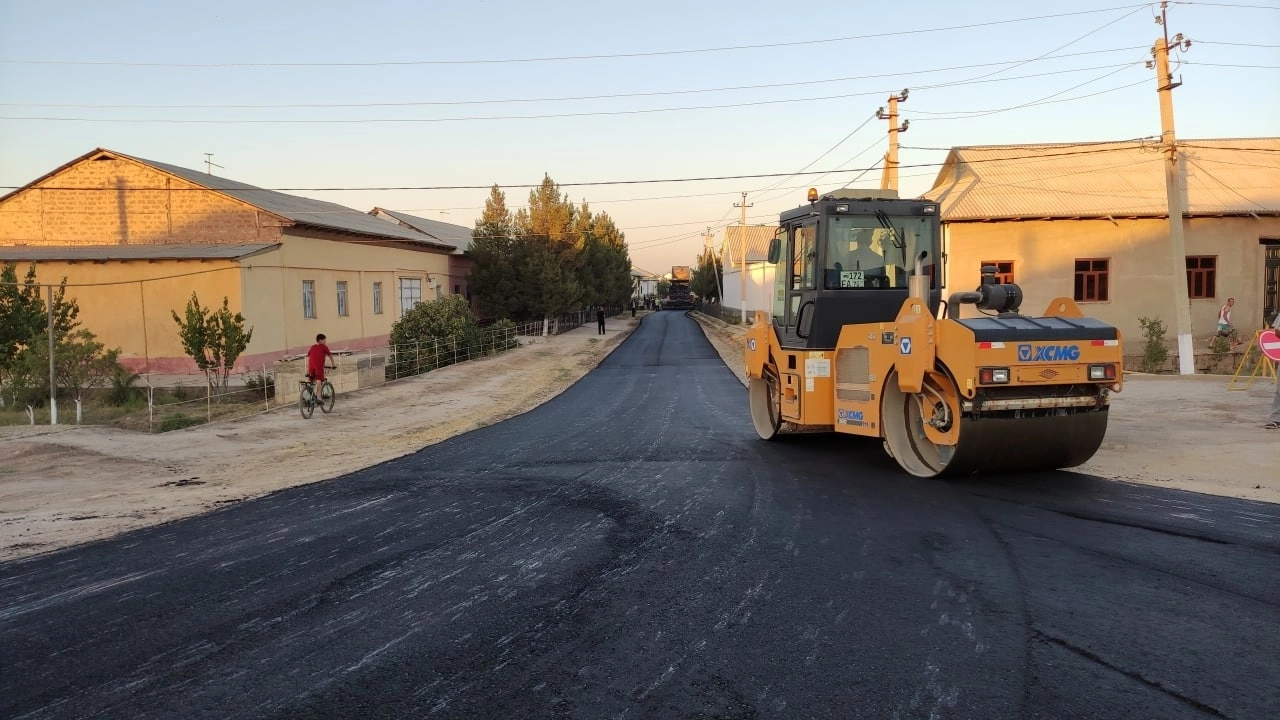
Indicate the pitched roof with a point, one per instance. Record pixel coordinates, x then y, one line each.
456 236
23 253
301 211
1112 179
758 238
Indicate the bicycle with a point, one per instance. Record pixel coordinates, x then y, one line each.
308 400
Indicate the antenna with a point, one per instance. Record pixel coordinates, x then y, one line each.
209 164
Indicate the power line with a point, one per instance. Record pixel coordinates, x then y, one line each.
656 53
563 184
692 91
544 116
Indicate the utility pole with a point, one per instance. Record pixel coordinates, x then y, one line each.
742 240
709 250
889 176
1173 189
53 385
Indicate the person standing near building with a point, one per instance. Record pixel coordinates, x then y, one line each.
600 319
1273 420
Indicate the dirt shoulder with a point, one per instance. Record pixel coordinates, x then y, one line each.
1189 432
64 485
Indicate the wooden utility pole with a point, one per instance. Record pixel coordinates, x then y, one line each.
742 240
889 176
1173 190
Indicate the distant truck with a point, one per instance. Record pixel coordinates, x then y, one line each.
679 296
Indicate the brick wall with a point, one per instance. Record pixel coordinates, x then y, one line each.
104 200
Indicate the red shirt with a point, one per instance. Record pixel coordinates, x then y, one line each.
315 361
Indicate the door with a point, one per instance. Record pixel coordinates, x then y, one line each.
796 282
1270 280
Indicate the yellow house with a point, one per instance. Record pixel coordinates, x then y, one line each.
1091 221
135 238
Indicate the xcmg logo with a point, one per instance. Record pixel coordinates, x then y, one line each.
1048 353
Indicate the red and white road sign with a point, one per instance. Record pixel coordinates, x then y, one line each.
1269 341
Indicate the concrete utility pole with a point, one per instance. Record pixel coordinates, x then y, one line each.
889 177
1173 189
709 250
53 385
742 240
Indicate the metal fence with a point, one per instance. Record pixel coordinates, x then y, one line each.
160 403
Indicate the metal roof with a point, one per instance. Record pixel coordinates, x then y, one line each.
301 211
758 238
1114 179
455 236
24 253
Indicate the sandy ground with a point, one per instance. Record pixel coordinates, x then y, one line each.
66 485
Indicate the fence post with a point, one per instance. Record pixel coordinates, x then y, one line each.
151 406
208 402
266 388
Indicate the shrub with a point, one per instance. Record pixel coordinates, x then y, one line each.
261 384
1154 350
177 421
122 389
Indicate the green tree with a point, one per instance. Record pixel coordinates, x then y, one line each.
550 255
214 339
708 277
80 362
23 319
495 278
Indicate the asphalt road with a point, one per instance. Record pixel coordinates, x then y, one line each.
631 550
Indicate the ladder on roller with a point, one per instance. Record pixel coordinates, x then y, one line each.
1253 364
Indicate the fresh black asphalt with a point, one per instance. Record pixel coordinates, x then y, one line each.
630 549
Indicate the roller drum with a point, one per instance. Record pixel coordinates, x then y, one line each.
1024 444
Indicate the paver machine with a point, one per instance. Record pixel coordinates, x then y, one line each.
859 341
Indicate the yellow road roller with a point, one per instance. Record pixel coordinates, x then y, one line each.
859 341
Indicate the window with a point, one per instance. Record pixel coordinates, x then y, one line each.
1092 280
308 298
410 294
805 255
1202 276
864 254
1004 270
342 298
377 298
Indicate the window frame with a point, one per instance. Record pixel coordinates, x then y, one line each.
1206 273
401 285
377 297
1101 278
1003 276
343 309
309 299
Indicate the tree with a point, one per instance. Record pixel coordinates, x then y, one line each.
708 277
549 254
214 339
495 279
80 362
24 319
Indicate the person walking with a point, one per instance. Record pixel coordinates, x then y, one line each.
600 319
1225 328
633 307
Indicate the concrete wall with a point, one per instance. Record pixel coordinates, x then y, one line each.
1141 267
759 288
273 292
114 201
127 304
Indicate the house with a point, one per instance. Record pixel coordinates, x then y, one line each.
754 288
644 284
1090 222
456 236
135 238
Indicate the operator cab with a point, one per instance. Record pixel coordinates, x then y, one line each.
845 258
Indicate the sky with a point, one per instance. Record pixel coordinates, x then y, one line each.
630 107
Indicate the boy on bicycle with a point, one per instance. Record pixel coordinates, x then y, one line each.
316 359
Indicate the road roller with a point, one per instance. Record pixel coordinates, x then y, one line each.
860 341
